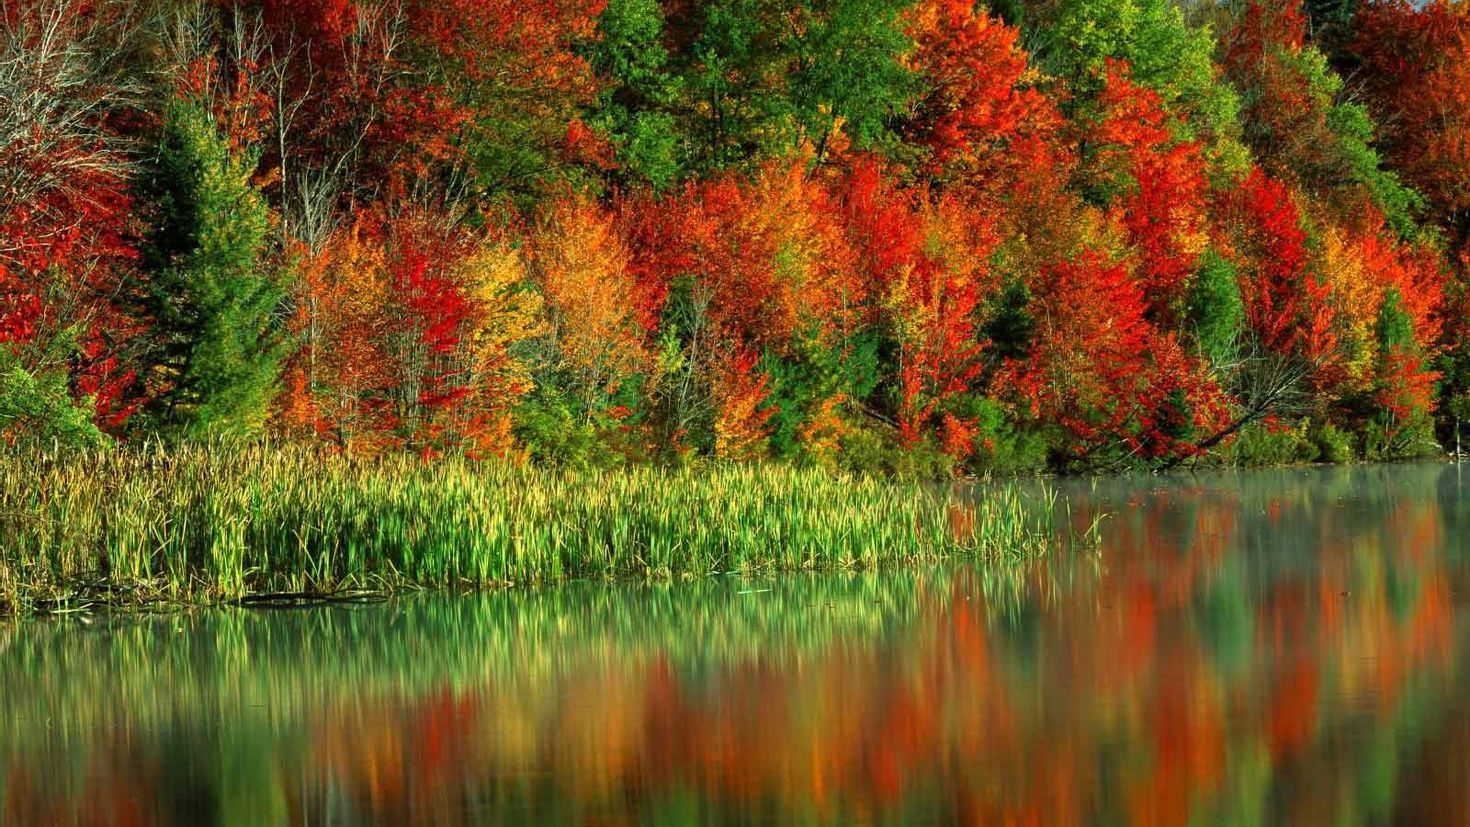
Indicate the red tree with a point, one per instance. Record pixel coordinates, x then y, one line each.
1286 303
66 224
1164 202
1416 72
927 261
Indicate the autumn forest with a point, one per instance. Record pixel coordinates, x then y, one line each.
892 236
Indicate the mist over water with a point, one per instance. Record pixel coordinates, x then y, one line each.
1269 647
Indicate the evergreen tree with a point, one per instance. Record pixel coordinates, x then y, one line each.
1402 387
1394 329
212 294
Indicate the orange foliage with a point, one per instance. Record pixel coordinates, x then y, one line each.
977 115
407 330
582 267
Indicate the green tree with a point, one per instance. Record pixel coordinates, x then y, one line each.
1403 389
212 295
636 109
1216 309
37 408
764 76
1394 328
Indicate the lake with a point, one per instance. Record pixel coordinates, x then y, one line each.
1263 647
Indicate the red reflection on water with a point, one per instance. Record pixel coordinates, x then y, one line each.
1195 674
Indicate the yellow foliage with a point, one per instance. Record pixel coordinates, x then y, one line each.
582 265
1358 293
508 314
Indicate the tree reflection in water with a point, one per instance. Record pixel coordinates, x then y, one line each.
1267 647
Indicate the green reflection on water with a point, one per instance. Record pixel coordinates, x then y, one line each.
1244 648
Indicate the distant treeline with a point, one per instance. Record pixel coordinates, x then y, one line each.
885 235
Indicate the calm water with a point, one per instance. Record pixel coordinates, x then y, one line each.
1256 648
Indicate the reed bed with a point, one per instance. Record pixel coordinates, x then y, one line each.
219 523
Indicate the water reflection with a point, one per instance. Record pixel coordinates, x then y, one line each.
1262 648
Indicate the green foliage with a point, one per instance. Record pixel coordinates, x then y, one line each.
635 109
1384 441
1459 406
685 398
1216 311
767 77
1013 12
811 375
874 450
1011 326
1165 54
1399 203
557 430
1003 445
1402 427
212 295
1303 127
38 409
1333 443
1394 330
551 433
1330 19
1262 444
849 60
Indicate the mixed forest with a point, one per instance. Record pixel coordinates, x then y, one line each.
911 236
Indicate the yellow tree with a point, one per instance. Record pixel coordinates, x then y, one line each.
507 315
593 341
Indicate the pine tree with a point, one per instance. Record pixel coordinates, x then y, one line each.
212 294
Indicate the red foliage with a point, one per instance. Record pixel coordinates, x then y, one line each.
350 95
1087 364
430 303
385 311
66 226
1416 71
926 258
1164 208
524 43
1417 274
649 226
976 116
1404 386
1287 306
764 249
742 419
1102 372
1263 27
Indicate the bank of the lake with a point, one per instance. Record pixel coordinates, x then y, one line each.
149 526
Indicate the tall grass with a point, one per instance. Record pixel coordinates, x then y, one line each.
202 524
